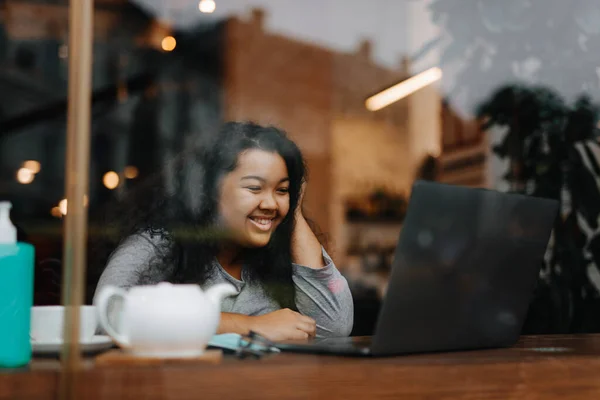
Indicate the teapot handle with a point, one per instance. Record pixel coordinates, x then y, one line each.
102 302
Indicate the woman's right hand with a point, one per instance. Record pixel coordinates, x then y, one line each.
284 324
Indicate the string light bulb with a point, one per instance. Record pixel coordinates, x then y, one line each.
207 6
168 43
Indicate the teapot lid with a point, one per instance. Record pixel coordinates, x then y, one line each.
171 288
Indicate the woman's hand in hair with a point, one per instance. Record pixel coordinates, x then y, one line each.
301 200
284 325
306 248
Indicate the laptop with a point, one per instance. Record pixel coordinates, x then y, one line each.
463 275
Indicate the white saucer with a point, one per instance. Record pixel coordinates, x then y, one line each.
96 343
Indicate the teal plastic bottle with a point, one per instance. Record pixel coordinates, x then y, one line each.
16 293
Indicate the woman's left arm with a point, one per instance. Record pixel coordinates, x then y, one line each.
322 293
306 249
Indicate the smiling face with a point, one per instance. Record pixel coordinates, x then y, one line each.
254 197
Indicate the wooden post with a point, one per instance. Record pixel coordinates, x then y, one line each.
76 186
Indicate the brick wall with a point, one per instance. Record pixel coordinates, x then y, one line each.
465 151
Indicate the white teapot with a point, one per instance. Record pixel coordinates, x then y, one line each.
164 320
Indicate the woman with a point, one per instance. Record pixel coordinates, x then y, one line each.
248 230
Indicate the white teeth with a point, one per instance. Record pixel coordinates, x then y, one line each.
262 221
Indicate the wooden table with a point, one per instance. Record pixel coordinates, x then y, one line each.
538 367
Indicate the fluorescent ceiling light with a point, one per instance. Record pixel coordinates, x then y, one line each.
403 89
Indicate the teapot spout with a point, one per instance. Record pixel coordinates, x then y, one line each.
217 293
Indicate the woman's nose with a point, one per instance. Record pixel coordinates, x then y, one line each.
268 202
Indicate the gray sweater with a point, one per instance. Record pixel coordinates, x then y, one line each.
321 294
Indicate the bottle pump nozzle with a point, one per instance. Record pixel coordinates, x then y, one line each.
8 232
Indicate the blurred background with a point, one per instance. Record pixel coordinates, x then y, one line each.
495 94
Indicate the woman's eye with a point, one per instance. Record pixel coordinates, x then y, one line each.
253 188
283 190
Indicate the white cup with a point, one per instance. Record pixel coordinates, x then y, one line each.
47 323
